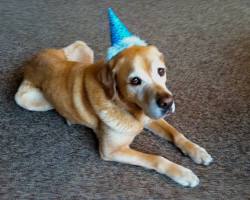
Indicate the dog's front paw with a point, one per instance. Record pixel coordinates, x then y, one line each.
185 177
200 156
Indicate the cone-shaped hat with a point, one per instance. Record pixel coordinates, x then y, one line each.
120 36
118 30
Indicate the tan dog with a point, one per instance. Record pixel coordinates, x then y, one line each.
116 99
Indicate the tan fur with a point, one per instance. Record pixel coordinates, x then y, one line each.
96 95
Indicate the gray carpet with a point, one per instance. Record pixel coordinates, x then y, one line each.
207 44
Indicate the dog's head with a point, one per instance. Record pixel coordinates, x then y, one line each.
138 76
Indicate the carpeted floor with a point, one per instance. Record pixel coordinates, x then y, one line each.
207 44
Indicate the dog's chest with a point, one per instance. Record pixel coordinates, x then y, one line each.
121 121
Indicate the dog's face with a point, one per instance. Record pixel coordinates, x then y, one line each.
140 78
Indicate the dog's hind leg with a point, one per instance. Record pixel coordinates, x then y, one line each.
79 52
31 98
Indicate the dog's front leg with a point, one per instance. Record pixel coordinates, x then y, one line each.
112 149
165 130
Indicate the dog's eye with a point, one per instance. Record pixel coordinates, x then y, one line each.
161 71
135 81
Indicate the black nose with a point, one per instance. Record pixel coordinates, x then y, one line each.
165 102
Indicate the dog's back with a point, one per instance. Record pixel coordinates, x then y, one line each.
45 65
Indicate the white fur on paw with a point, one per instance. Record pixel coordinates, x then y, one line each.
186 178
31 98
200 156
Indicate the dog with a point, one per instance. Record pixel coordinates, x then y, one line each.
117 99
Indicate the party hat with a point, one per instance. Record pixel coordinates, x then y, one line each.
120 36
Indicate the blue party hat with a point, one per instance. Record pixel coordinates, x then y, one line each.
120 36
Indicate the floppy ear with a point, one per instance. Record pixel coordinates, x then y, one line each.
107 78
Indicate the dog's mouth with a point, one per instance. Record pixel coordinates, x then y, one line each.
172 109
166 113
